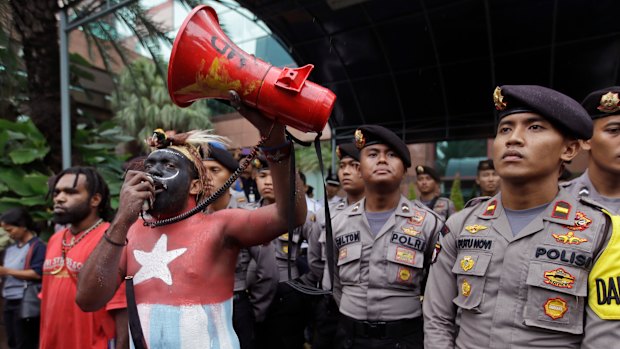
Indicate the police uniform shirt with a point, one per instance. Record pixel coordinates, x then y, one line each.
378 278
444 207
524 291
582 186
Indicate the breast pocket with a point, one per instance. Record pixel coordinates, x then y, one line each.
555 297
404 267
470 269
349 258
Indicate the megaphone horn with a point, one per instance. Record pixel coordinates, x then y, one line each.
205 64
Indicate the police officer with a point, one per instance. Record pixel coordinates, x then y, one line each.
601 181
383 244
250 302
515 267
487 178
427 181
326 312
289 312
332 187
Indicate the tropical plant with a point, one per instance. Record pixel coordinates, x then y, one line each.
142 104
306 158
456 195
412 193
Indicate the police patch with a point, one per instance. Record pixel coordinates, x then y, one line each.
467 263
555 308
404 275
445 230
566 256
407 241
473 229
569 238
342 253
410 231
418 217
436 252
582 222
559 278
405 255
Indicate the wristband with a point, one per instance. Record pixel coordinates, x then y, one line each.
107 238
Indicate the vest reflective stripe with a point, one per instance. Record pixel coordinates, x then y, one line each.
604 278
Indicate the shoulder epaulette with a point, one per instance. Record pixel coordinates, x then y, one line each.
476 201
589 202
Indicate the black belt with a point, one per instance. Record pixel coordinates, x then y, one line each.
237 295
381 329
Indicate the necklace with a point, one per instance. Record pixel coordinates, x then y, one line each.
67 246
74 241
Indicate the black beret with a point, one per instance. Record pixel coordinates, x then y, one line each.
332 179
347 149
223 157
366 135
260 163
602 103
420 170
559 109
484 165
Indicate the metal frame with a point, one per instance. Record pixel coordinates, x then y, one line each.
63 30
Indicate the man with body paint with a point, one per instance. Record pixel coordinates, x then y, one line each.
183 273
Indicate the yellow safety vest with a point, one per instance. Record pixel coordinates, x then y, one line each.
604 278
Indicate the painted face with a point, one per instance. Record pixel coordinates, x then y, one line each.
604 146
175 173
527 146
350 176
264 184
379 165
426 184
71 203
488 180
218 175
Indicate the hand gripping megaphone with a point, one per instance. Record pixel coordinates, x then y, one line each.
205 64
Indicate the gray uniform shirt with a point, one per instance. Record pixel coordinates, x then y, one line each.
378 278
582 186
524 291
444 207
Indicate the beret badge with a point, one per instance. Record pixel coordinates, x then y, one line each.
610 103
338 152
498 99
419 169
360 140
257 164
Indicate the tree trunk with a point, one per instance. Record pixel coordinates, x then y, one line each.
38 26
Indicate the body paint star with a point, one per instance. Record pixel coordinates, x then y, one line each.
155 263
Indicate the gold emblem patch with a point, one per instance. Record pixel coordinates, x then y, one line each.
405 255
342 254
285 248
338 152
569 238
498 99
559 278
475 228
410 231
555 308
610 103
404 275
582 222
418 217
465 288
360 140
467 263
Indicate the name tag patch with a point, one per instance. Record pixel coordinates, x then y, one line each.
348 238
474 243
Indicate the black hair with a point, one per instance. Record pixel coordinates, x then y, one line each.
95 184
19 217
303 177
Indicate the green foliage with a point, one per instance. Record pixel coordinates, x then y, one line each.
143 104
306 158
455 193
412 194
458 149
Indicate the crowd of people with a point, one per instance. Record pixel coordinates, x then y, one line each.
530 262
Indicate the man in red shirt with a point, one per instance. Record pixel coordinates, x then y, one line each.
81 201
183 272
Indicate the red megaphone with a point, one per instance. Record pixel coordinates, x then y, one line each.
205 64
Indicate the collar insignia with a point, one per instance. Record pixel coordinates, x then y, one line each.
490 208
405 208
561 210
610 103
498 99
475 228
